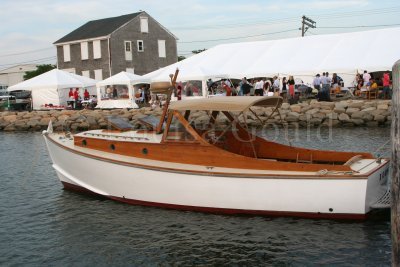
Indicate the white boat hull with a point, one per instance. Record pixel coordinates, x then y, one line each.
335 197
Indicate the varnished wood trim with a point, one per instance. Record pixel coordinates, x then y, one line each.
217 174
189 128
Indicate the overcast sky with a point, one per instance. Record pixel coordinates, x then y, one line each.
28 28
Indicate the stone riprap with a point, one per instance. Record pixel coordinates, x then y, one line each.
340 114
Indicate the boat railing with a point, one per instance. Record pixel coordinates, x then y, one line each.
120 137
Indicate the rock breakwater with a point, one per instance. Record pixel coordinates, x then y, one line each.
345 113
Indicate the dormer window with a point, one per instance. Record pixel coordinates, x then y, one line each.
161 48
144 24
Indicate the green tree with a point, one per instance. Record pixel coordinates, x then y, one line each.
181 58
198 51
40 69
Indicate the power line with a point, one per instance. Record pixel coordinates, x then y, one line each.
241 37
335 15
27 52
31 61
362 26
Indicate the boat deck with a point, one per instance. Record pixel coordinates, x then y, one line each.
129 136
360 167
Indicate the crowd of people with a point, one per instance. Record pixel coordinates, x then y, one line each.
323 86
75 99
254 87
367 83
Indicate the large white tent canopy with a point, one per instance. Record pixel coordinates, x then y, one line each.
345 54
123 78
53 86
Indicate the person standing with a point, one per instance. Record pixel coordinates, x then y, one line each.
283 92
386 85
114 92
328 79
71 93
227 89
258 88
276 84
108 91
366 78
317 82
291 83
325 90
188 89
245 87
241 86
86 95
179 91
76 97
335 81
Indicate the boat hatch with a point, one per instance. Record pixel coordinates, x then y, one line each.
119 123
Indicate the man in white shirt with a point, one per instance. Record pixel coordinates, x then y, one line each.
276 84
317 82
366 78
326 85
328 79
258 87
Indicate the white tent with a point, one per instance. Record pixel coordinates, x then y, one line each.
346 54
53 86
123 78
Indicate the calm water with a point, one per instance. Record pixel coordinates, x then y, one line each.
42 225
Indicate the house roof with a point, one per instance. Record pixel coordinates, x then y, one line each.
97 28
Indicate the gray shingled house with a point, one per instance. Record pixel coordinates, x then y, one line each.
135 43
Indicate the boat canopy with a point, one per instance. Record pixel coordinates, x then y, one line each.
231 104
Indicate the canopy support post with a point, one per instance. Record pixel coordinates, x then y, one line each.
165 109
248 132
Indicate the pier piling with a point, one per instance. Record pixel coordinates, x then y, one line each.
395 164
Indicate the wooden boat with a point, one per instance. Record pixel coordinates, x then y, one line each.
175 164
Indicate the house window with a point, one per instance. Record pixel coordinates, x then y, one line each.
130 70
128 50
128 46
98 75
96 49
140 47
86 73
84 51
161 48
67 53
144 24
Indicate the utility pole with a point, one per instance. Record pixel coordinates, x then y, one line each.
307 23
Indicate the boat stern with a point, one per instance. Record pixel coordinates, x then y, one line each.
378 189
